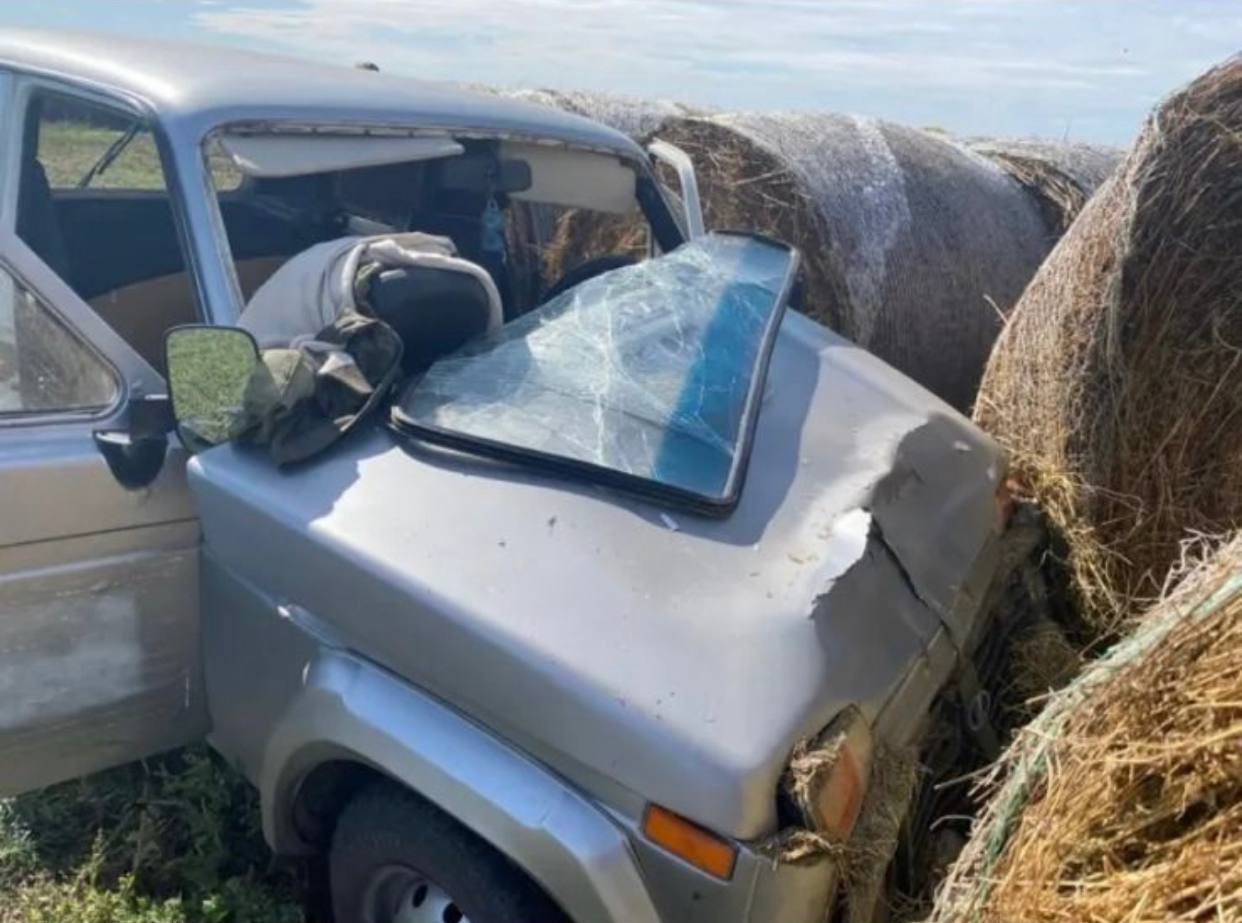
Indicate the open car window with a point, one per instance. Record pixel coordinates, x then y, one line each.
646 378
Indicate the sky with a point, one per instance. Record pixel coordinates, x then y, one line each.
1069 69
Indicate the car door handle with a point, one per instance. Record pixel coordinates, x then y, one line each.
135 461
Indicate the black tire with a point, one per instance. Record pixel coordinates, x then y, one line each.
386 828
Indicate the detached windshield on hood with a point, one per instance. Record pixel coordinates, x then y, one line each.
646 378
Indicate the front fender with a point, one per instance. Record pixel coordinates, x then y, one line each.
348 708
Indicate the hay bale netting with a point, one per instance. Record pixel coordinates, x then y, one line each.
1117 384
1060 175
1122 801
912 246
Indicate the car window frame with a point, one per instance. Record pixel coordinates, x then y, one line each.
23 88
134 375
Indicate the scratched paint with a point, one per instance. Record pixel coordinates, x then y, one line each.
95 661
88 653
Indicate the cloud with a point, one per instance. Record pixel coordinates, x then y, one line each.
972 65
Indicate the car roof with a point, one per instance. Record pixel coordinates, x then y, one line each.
198 87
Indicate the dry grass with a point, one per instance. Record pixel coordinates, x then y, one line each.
1117 384
1042 659
890 790
1122 801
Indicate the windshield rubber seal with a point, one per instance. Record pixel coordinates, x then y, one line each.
579 471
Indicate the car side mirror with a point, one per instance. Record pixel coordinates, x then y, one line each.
208 371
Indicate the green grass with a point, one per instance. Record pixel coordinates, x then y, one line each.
208 371
170 840
68 150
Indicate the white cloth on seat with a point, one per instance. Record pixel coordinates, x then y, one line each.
312 289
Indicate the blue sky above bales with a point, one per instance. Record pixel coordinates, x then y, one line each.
1083 69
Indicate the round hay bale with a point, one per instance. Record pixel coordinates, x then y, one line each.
1117 384
1060 175
1122 801
912 246
631 115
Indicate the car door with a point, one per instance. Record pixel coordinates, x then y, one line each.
99 640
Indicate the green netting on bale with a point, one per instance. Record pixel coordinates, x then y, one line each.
1072 745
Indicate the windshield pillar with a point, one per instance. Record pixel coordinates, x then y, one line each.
210 256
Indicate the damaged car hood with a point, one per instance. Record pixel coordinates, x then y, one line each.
673 657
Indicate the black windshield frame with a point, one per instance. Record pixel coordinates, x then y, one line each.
581 471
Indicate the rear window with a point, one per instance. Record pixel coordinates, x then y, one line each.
645 378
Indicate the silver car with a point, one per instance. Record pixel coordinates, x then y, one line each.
536 642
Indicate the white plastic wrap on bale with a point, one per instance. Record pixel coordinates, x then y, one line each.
931 244
630 115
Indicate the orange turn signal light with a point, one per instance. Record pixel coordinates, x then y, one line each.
686 840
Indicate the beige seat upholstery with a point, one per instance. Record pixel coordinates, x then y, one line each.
142 312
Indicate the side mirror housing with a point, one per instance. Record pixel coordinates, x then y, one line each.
208 371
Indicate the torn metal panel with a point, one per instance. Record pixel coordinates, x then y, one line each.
845 542
936 512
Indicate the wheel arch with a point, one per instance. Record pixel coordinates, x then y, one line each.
351 721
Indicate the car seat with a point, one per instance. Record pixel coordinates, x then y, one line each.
37 223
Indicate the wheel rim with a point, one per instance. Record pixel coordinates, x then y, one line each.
396 894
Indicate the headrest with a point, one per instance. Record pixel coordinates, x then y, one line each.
434 309
318 285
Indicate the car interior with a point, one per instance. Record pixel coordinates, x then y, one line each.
117 245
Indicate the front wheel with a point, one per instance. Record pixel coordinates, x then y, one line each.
397 858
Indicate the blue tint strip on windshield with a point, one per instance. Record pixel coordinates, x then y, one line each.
714 392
